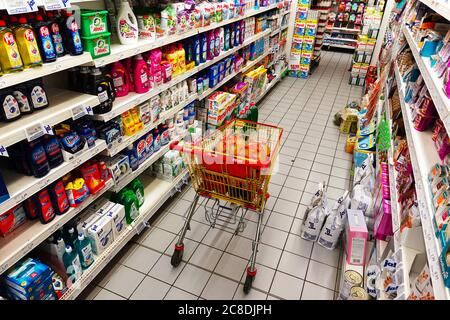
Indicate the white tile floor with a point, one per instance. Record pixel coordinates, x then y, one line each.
214 260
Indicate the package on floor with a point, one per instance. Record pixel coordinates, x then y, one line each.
356 237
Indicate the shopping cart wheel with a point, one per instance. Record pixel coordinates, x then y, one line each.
177 255
248 283
249 279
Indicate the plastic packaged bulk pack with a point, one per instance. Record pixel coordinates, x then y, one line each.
315 215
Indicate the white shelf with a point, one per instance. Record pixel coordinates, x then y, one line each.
119 51
46 69
156 193
442 7
133 99
127 140
423 158
21 187
434 84
61 105
32 233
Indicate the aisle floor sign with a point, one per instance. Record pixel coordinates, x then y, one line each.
20 6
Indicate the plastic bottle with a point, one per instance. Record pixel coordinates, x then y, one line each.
37 158
156 140
222 39
46 212
253 112
55 32
242 38
71 236
10 59
138 189
130 152
172 57
120 79
237 33
203 47
181 57
196 50
71 34
84 250
10 109
25 105
210 45
128 64
37 94
44 40
101 87
226 38
72 264
27 43
232 35
217 42
127 24
131 204
140 74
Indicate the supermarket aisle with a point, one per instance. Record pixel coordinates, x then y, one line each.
215 261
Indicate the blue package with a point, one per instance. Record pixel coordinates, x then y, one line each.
221 75
42 291
26 275
131 153
213 71
221 65
141 150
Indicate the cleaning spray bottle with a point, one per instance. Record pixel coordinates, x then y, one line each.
140 74
10 60
127 24
120 78
44 40
27 43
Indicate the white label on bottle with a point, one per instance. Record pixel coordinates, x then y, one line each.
88 257
77 271
20 6
35 131
78 111
103 96
3 151
144 78
10 107
39 97
56 4
134 212
118 82
140 197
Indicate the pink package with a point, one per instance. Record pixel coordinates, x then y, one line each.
166 70
383 222
356 234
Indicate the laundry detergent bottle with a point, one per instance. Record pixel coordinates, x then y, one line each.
138 189
10 59
210 45
203 47
196 50
27 43
127 24
71 34
44 40
55 32
120 79
101 87
140 75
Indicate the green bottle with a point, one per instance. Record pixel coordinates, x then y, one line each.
138 189
72 264
253 112
131 204
84 250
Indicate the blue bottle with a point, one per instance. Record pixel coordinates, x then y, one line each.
226 45
232 35
44 40
196 50
203 47
237 33
130 152
71 34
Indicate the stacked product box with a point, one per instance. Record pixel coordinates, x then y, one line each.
221 106
323 7
303 40
365 46
169 166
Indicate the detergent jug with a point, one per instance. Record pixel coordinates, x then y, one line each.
44 40
10 59
127 24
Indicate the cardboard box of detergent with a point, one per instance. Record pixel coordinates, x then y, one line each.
101 234
117 216
24 277
42 291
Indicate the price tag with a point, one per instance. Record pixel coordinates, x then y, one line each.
141 226
48 129
89 110
20 6
56 4
34 132
79 111
3 151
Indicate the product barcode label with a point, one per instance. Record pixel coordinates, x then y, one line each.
78 112
357 251
56 4
20 6
34 132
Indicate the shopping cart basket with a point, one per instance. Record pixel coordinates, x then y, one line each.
233 165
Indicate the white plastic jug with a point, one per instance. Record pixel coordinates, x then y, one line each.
127 26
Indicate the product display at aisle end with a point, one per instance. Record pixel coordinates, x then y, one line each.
95 162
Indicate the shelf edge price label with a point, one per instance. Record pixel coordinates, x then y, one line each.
20 6
56 4
141 226
34 132
79 111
